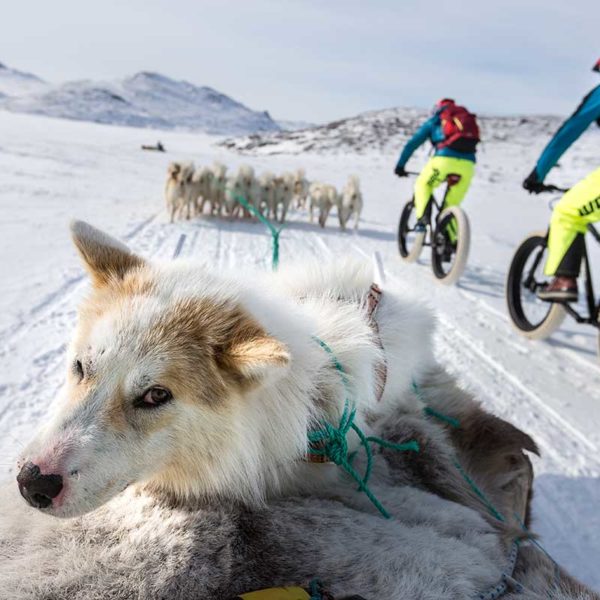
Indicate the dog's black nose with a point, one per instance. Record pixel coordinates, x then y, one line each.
36 488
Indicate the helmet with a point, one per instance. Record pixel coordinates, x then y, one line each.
443 102
596 67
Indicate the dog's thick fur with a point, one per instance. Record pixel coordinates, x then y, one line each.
247 377
208 473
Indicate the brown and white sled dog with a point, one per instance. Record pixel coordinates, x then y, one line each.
195 385
176 189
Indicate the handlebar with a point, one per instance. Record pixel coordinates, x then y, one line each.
552 188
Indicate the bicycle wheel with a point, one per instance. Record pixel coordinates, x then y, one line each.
410 243
449 257
533 317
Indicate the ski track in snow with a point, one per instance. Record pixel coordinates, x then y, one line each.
549 389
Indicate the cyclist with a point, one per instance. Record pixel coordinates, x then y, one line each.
454 133
578 207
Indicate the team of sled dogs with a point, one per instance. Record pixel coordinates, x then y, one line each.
191 191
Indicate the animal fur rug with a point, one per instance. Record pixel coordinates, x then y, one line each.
440 543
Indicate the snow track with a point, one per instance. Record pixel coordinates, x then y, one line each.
549 389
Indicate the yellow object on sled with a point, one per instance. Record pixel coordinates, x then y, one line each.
284 593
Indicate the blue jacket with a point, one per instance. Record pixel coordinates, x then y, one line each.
430 130
587 112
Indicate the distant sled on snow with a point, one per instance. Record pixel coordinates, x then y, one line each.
158 147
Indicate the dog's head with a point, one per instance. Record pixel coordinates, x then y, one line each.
173 170
158 371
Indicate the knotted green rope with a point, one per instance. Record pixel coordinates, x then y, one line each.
455 424
331 442
272 230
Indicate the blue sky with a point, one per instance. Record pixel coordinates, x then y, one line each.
322 60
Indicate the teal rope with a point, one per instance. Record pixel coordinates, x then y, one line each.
431 412
557 576
502 587
332 442
316 590
493 510
272 230
455 423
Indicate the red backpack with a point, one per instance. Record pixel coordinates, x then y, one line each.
460 129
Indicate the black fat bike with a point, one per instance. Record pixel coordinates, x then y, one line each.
449 252
535 318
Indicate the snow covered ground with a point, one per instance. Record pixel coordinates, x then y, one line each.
53 170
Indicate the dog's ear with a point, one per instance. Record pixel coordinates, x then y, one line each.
252 355
105 258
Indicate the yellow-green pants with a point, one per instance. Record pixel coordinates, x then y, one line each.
434 173
570 217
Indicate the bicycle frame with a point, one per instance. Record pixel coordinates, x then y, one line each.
593 307
439 207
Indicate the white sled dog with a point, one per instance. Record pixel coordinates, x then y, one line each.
322 198
283 194
199 189
217 188
243 185
265 194
301 186
350 202
196 385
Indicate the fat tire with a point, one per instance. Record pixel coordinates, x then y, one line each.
513 289
463 245
412 254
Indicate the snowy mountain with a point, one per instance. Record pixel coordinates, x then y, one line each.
143 100
84 101
383 130
13 82
186 105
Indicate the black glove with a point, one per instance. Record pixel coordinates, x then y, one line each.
533 184
400 171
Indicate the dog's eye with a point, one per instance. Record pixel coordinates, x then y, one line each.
155 396
78 370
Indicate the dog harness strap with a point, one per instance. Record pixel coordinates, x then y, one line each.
372 303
